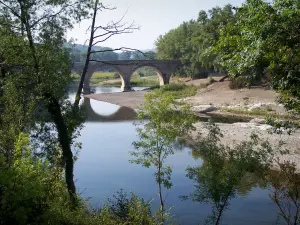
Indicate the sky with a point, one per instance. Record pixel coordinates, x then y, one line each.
155 17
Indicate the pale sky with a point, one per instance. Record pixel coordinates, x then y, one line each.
155 17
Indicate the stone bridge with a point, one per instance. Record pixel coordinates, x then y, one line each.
126 68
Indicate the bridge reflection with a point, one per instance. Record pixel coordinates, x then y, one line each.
121 114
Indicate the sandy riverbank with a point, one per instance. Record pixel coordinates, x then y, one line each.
132 99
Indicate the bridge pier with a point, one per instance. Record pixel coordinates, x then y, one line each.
164 79
86 90
125 77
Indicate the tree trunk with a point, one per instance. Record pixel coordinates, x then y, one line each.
223 78
65 143
55 112
87 60
162 204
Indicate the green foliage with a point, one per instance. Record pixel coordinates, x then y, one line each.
179 90
262 39
30 188
132 210
259 39
36 69
192 42
32 192
168 121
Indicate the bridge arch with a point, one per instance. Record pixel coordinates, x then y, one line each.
158 70
93 68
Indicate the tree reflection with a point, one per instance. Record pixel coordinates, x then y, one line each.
286 191
227 171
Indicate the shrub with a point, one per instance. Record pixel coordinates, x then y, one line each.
179 90
173 87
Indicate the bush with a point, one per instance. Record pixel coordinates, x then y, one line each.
173 87
179 90
30 189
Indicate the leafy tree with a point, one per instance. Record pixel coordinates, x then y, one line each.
264 39
168 121
150 55
193 42
207 33
244 54
40 70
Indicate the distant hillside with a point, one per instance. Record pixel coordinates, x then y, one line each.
78 52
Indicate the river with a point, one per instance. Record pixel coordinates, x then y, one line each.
103 168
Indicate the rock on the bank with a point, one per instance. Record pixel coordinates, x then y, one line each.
204 108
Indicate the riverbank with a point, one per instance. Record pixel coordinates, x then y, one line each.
132 99
254 104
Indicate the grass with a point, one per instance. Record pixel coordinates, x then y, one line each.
179 90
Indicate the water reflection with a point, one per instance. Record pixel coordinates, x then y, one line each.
97 111
105 112
227 172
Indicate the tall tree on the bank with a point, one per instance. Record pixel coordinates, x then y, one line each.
168 122
206 35
43 66
37 66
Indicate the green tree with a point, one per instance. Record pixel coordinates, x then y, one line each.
193 42
168 121
264 40
38 68
150 55
207 33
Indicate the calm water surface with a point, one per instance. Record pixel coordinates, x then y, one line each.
103 168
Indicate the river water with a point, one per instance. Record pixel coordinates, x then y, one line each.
103 168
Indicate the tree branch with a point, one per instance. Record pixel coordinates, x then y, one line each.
12 11
105 7
46 16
